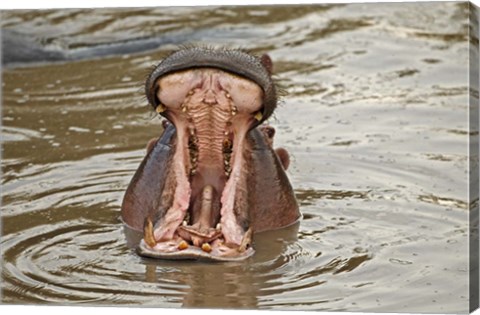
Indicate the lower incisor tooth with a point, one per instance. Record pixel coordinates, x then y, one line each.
219 226
148 233
183 245
160 108
206 247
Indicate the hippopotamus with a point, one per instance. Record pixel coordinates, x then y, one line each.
212 179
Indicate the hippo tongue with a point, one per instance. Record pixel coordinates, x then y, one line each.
202 231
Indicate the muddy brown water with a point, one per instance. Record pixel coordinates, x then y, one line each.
374 114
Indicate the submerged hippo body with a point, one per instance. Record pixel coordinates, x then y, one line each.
212 179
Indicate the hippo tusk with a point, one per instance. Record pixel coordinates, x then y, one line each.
246 240
148 232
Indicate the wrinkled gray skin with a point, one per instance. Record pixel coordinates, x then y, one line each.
212 179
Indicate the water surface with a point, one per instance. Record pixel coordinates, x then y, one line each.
374 115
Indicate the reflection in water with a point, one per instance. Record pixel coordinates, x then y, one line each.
237 286
374 114
203 287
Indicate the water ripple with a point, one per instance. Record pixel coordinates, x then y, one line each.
373 114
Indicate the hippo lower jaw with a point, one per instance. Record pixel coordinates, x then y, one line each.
206 195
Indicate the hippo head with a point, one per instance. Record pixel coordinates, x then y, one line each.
212 99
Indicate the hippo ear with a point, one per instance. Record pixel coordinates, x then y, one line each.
267 63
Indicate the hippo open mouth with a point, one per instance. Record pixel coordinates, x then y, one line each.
200 181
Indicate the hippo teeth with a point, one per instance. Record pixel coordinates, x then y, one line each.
247 239
182 245
148 232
